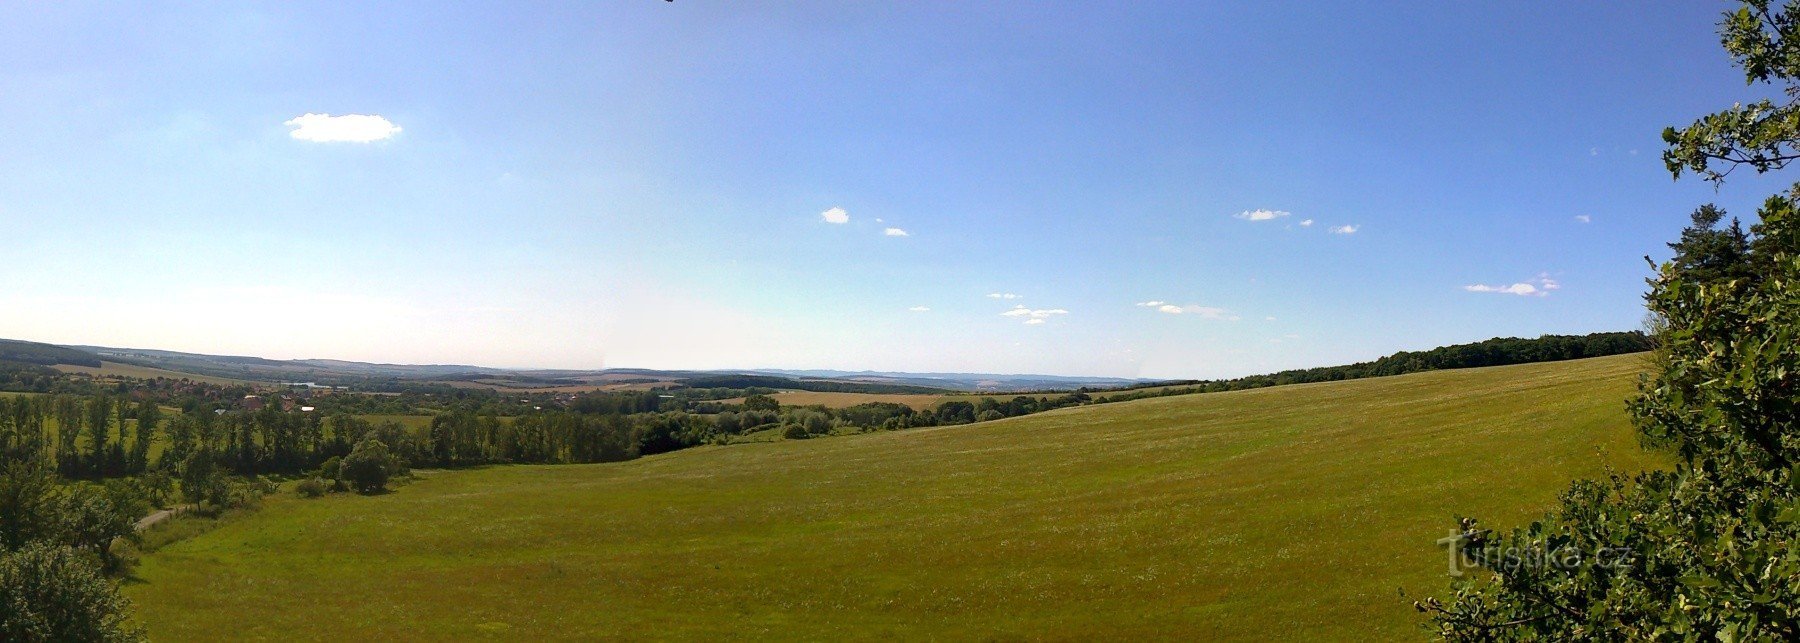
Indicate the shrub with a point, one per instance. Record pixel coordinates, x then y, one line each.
310 488
329 468
796 432
989 416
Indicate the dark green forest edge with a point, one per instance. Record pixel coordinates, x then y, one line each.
1502 351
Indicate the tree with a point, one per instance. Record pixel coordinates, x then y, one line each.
30 505
49 592
957 412
148 416
1707 254
366 468
761 403
68 429
1764 40
201 481
183 431
99 412
96 518
1710 550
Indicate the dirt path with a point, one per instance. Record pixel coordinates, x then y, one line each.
155 517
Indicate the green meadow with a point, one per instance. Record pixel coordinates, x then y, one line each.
1289 512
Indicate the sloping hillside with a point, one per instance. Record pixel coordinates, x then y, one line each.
44 354
1294 511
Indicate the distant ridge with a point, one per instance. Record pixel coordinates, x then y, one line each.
12 350
388 376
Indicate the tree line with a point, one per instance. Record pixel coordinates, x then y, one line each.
1501 351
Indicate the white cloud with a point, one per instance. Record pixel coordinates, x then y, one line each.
920 309
354 128
1029 322
1203 312
1344 229
1003 295
1261 215
1268 319
895 232
1306 224
1539 287
1582 218
1520 288
1039 313
835 215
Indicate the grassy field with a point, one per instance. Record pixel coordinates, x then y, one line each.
115 369
1293 512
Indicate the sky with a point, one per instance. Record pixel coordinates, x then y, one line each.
1134 189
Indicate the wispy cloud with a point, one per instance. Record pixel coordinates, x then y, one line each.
1542 286
1345 229
1003 295
1261 215
835 215
1034 315
1582 218
1203 312
350 128
895 232
1306 223
920 309
1021 311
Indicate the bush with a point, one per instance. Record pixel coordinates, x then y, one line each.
989 416
310 488
366 468
796 432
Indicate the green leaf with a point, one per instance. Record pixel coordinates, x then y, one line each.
1700 581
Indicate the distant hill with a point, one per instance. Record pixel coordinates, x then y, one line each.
388 376
400 377
45 354
969 381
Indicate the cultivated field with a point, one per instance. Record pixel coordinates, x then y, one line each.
1294 512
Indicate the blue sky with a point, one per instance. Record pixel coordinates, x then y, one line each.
641 183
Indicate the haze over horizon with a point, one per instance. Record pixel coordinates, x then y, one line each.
1161 190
